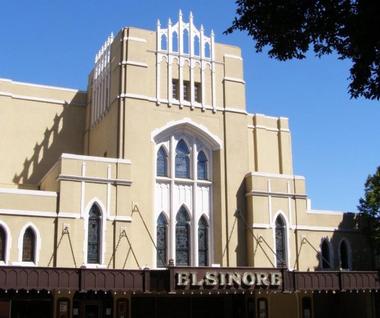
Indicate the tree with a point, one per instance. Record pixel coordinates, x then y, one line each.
369 206
290 27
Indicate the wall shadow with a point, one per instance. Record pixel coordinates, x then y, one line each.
66 134
352 230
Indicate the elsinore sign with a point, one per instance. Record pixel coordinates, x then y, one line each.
228 279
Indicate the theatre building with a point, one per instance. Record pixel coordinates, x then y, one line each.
156 194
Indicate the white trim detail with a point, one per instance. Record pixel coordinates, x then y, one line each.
37 246
28 192
93 158
134 63
274 175
46 214
41 86
193 128
8 242
94 179
231 56
233 79
133 38
39 99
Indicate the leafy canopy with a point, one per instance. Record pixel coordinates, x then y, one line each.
290 27
369 206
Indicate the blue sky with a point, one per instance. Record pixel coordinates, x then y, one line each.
336 140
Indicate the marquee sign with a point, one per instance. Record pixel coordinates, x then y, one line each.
228 279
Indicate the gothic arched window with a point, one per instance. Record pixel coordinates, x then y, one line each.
196 46
281 255
162 162
202 242
202 166
185 41
175 42
344 255
182 160
94 235
29 245
182 238
3 240
325 249
164 42
162 231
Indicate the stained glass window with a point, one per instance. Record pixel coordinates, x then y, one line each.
162 163
182 160
325 254
94 236
162 227
182 238
28 245
281 256
344 255
2 244
203 242
202 166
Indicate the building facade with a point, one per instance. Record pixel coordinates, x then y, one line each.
155 193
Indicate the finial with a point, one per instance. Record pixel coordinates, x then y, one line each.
180 13
158 23
212 33
170 22
191 15
202 28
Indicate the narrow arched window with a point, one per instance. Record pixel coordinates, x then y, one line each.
202 242
207 50
164 43
175 42
162 231
94 236
3 240
182 160
344 255
325 249
281 257
182 238
162 163
29 245
202 166
186 41
196 46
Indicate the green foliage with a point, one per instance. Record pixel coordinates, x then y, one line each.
290 27
369 206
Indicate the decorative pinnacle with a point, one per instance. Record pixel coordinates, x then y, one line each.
170 22
212 33
180 13
202 28
158 23
191 15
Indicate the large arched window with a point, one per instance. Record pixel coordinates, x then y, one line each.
3 241
29 246
94 235
182 238
281 254
202 166
162 231
182 160
162 162
202 242
326 258
344 254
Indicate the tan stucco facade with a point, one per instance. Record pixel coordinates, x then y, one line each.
64 150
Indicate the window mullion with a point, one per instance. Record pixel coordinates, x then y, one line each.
194 225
